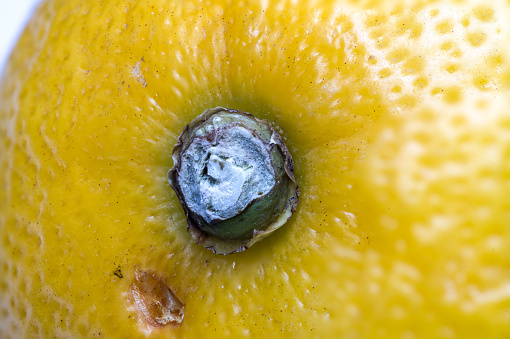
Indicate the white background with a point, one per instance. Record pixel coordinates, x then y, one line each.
13 16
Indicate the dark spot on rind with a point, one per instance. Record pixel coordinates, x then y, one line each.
118 272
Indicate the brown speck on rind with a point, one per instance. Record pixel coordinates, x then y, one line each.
118 273
156 304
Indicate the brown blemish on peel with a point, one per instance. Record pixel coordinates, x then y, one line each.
156 304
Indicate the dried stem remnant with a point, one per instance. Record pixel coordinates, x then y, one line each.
233 175
157 304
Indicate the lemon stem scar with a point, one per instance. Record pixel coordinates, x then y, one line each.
233 175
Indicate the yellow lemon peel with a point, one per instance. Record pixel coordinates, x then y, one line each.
396 116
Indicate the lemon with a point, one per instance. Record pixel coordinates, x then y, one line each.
397 120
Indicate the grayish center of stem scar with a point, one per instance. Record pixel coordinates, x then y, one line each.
220 177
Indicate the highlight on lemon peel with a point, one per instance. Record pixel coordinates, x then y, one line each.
396 116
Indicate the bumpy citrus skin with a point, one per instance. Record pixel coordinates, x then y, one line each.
397 122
